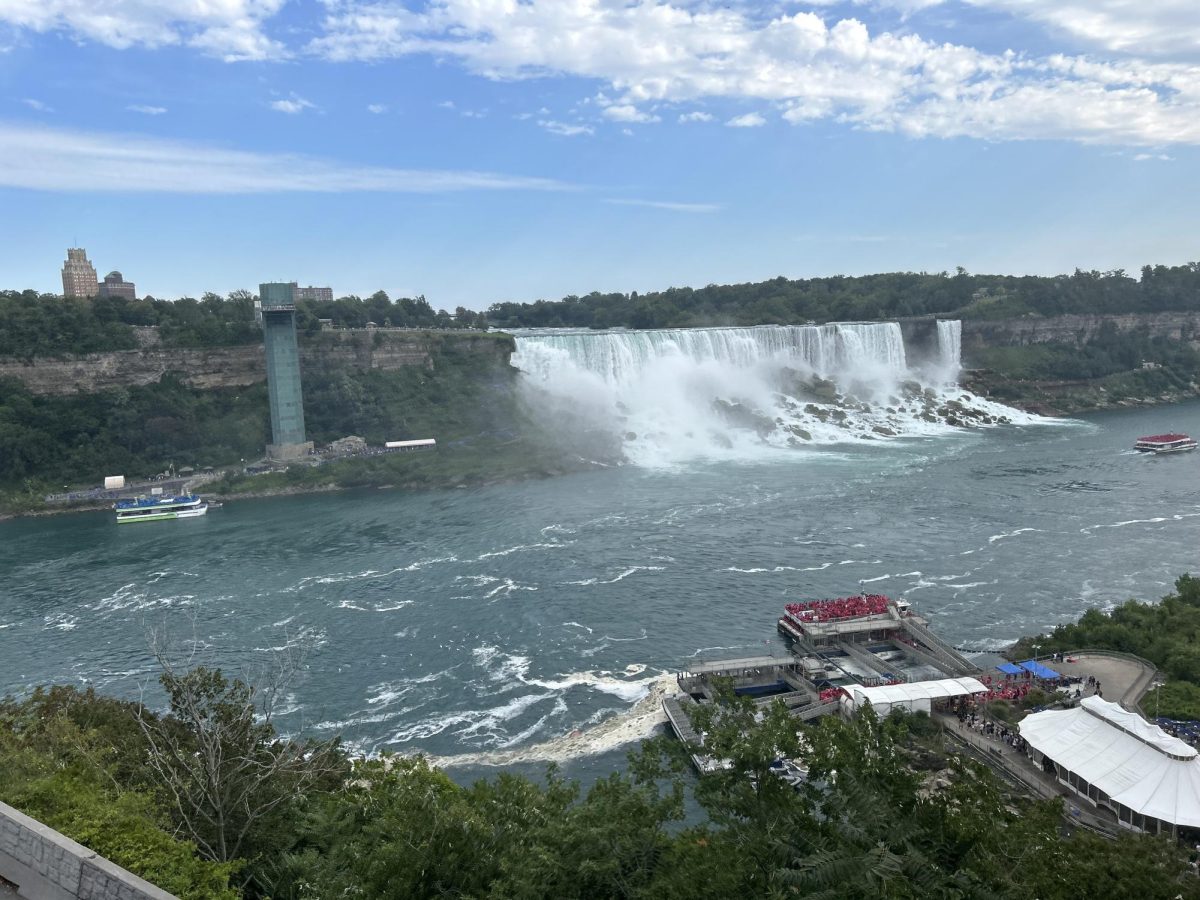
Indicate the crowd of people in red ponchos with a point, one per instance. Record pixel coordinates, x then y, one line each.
1005 688
841 608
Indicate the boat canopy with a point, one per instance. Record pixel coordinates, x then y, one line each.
1163 438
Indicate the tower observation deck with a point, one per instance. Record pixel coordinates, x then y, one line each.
283 372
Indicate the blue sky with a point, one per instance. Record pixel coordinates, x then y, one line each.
484 150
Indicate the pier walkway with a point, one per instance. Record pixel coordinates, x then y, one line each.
946 656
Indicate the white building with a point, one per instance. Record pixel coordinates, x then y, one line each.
1114 758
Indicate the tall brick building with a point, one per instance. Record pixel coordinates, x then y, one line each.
79 275
115 285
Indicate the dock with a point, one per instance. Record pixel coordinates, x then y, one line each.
836 649
681 723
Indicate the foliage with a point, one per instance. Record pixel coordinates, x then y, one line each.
1165 633
884 296
33 324
466 398
1174 700
73 760
865 825
230 783
137 431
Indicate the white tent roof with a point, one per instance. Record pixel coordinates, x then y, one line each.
916 690
1136 764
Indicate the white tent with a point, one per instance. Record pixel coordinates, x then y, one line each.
914 696
1118 759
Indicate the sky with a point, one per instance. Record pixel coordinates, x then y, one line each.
476 151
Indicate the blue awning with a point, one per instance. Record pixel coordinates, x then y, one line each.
1010 669
1036 668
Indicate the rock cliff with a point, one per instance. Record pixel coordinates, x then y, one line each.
1178 326
219 367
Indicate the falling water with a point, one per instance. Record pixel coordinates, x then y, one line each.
667 396
949 334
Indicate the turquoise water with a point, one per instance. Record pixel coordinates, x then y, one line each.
483 620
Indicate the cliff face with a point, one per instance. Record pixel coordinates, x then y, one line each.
220 367
1179 326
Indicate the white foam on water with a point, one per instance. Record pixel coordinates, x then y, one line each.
632 570
374 607
634 724
343 577
1008 534
507 587
774 569
521 548
1157 520
306 636
61 621
886 577
489 722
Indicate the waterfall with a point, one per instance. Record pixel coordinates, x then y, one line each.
667 396
618 356
949 335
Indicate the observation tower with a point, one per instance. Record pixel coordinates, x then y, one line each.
283 372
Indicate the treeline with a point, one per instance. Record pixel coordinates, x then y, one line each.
1165 633
33 324
885 296
209 802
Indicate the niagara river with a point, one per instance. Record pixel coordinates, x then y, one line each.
737 469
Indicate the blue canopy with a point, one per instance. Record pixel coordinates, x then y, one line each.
1036 668
1010 669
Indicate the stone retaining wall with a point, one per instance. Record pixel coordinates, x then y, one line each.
44 865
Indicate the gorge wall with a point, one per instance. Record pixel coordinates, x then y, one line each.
221 367
979 333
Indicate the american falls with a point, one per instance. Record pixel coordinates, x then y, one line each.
661 397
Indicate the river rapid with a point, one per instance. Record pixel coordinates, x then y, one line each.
485 626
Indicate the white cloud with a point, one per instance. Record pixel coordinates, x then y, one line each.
749 120
47 159
678 51
293 105
230 29
1160 27
565 129
1161 157
37 104
1156 27
147 110
695 117
627 112
376 108
668 205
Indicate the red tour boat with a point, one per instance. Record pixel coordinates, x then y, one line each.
1165 443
